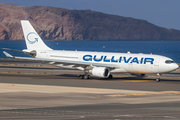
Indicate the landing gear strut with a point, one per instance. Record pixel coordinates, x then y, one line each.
158 77
86 74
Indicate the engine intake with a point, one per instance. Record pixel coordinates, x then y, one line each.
102 72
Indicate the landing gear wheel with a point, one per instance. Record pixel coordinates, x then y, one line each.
158 77
84 77
81 76
110 77
87 76
158 80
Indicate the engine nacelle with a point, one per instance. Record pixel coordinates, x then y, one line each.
138 75
102 72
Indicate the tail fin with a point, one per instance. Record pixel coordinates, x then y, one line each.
33 40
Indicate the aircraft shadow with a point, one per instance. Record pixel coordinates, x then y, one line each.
118 78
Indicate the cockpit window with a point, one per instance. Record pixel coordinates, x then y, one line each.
169 61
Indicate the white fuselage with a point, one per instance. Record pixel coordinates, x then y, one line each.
123 62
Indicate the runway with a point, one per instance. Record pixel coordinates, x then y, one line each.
45 92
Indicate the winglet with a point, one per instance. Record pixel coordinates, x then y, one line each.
7 54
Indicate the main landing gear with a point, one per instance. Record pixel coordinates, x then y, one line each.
84 76
158 77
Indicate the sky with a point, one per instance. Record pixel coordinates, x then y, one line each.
163 13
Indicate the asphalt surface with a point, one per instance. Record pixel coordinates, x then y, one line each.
41 92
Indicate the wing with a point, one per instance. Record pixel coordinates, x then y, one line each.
55 61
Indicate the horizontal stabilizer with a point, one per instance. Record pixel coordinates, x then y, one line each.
12 49
7 54
29 52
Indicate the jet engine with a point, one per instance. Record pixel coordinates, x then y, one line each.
102 72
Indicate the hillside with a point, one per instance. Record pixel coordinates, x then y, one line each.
62 24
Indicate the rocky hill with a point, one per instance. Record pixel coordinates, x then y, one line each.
62 24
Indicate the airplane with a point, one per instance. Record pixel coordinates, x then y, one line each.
99 64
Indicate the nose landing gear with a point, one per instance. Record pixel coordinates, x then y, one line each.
158 77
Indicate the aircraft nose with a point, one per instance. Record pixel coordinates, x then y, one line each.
174 67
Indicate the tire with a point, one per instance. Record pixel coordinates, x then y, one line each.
86 77
81 76
158 80
110 77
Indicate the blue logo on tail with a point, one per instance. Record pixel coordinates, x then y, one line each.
32 38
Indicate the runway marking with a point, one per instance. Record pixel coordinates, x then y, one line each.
143 94
136 80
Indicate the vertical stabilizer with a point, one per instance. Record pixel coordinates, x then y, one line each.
33 40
